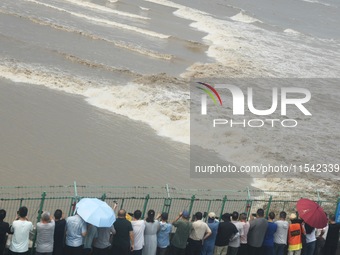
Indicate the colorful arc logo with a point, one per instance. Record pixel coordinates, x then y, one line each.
208 90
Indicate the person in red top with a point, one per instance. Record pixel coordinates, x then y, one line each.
294 236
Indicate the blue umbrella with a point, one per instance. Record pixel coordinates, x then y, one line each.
96 212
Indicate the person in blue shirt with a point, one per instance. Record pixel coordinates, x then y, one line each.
268 242
163 236
209 243
75 233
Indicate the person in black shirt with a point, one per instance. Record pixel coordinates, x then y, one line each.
225 231
332 238
123 240
59 233
4 229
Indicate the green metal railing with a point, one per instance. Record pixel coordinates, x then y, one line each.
161 199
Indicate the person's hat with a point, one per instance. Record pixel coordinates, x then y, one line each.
185 214
292 216
212 215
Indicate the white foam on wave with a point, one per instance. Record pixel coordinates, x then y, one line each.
248 51
242 17
93 6
144 8
292 31
163 108
105 21
316 2
260 52
121 44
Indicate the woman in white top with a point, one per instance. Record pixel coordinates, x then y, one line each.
150 234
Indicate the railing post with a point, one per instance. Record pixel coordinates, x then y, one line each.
319 199
122 204
249 203
145 205
224 201
167 201
76 192
72 206
268 207
192 201
167 205
248 207
43 196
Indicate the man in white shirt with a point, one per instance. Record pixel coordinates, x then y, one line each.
199 232
234 243
75 233
280 236
21 229
138 227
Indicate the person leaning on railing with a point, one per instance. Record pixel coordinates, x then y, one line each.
20 228
45 234
59 233
295 233
4 230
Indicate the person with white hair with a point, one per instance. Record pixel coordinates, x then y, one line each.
45 234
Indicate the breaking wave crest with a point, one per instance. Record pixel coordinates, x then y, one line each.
164 108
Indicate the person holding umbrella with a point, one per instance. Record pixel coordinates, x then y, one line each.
101 216
75 232
310 239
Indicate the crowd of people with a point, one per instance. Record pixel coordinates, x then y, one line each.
204 234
